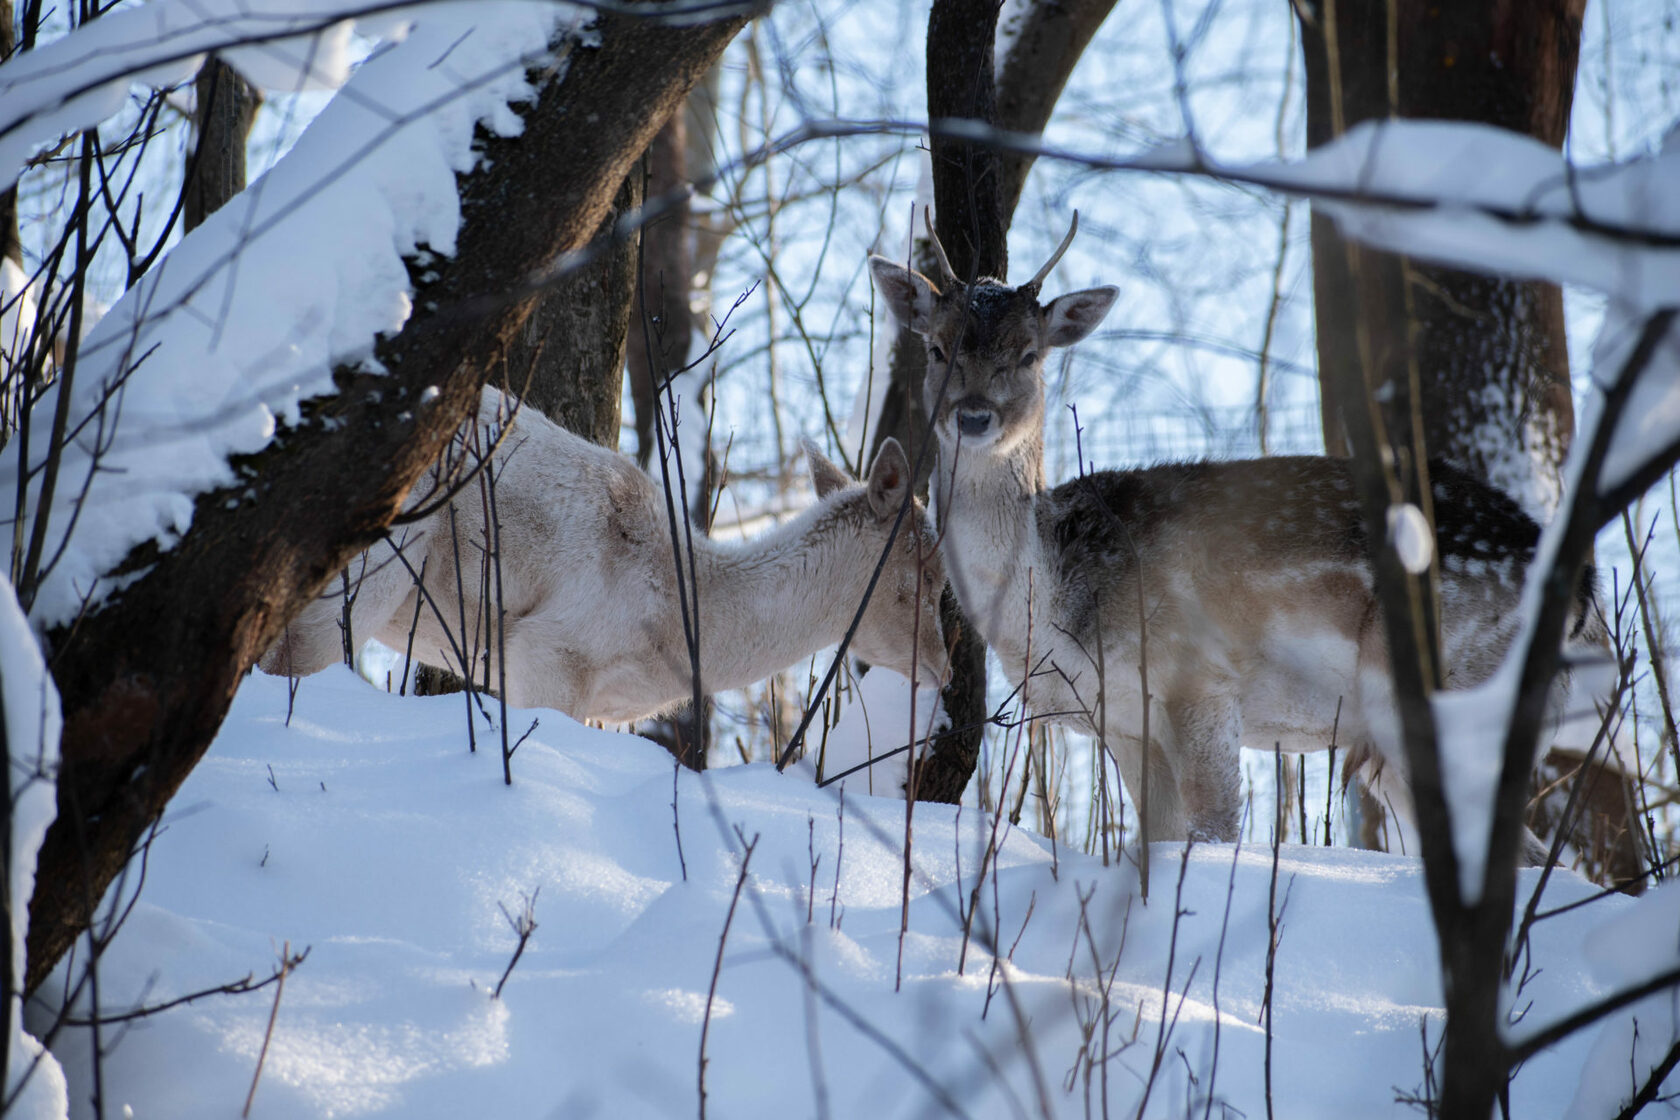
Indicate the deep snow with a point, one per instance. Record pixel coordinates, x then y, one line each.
366 832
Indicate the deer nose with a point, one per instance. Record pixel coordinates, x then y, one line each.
973 422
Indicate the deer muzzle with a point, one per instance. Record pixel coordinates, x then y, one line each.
973 422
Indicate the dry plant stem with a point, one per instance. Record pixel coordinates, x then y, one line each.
1588 772
493 531
523 926
717 965
1274 927
413 625
461 653
25 578
839 854
1165 1027
1648 1092
268 1034
1218 967
813 1040
1647 621
865 1027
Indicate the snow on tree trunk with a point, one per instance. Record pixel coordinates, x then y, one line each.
1487 356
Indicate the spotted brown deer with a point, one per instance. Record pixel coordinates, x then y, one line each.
1240 594
588 580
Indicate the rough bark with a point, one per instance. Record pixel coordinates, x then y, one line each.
1487 356
222 117
11 246
660 326
568 359
967 177
147 678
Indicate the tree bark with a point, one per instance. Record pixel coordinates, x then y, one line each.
222 117
567 361
1418 361
147 678
660 326
11 245
1049 38
975 190
967 177
1487 356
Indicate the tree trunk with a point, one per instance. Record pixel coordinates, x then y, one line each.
1049 38
11 246
1418 361
1487 356
147 678
973 227
568 359
226 107
975 192
660 327
967 177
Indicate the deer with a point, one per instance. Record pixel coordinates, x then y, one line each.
1238 595
592 624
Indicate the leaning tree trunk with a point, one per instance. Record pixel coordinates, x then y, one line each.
225 109
568 360
1419 361
147 678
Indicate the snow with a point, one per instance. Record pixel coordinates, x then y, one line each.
1496 201
83 78
1650 420
206 356
1629 949
1413 540
388 851
874 722
33 1077
1470 738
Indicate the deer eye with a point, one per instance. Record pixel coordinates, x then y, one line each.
935 353
1029 358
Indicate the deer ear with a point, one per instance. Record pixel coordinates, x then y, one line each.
825 476
910 295
1077 314
889 480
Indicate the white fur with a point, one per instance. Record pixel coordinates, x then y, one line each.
593 622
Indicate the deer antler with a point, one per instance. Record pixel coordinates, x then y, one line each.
1038 278
938 249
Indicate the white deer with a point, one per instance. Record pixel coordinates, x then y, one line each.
1242 589
593 626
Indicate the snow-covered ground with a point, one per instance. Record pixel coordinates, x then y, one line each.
364 831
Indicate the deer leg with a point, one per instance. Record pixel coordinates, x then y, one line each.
541 673
314 639
1166 813
1205 732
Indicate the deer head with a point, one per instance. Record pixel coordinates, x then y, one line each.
900 627
986 344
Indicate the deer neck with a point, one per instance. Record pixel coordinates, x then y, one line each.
767 602
988 524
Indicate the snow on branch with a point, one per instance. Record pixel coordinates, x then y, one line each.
1484 198
297 275
81 79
